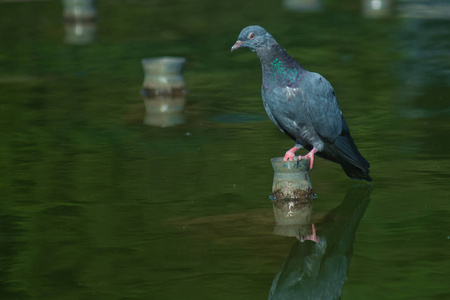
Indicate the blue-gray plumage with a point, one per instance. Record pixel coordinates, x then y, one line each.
303 105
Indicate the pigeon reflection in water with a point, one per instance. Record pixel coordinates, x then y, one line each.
318 269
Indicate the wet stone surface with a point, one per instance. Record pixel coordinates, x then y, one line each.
305 195
169 92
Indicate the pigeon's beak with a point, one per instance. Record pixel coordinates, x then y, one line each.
236 45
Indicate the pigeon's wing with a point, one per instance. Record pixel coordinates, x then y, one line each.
329 124
322 107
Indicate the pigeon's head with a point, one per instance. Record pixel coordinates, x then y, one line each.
254 37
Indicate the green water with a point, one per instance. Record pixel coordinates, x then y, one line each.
96 205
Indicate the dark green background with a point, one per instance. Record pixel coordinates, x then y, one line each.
96 205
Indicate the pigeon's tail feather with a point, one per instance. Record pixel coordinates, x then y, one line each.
353 163
355 172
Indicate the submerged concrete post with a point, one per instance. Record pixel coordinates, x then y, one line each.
291 179
164 91
79 9
292 197
292 217
163 76
80 21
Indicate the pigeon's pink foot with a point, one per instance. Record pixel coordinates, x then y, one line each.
310 155
290 154
313 237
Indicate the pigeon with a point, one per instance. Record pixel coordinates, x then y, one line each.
303 105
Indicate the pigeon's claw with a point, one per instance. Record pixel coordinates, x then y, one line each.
290 154
310 155
313 237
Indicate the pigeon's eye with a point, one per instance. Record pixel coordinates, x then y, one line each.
251 35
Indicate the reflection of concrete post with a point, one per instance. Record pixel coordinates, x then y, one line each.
164 111
292 217
291 179
376 8
164 91
79 33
